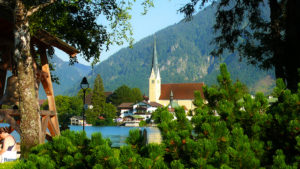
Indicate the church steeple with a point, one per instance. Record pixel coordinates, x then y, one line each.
154 79
154 59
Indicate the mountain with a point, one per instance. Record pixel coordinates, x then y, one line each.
183 55
68 75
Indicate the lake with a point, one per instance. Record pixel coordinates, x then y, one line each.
117 134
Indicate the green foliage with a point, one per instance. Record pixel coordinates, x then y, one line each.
8 165
162 115
109 110
231 130
87 92
142 123
98 97
125 94
98 101
70 150
75 150
66 107
105 122
257 29
100 107
76 23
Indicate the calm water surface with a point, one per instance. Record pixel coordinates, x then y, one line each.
117 134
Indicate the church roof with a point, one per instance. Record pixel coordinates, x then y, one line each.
181 91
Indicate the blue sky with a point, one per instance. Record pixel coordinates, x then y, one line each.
164 14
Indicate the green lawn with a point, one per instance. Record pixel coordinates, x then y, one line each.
8 165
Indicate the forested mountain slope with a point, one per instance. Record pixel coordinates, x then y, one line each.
183 56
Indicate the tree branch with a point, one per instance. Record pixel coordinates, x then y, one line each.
34 9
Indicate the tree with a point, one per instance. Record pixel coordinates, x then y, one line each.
66 107
109 110
98 97
98 100
87 92
125 94
137 94
108 113
268 39
71 20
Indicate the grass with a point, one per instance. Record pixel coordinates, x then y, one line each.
8 165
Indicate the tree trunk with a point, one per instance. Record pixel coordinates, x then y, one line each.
292 44
29 109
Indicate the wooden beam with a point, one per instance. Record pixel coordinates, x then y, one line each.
2 83
46 80
52 127
13 112
47 84
50 40
4 65
10 120
45 120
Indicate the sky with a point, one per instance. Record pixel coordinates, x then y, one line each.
163 14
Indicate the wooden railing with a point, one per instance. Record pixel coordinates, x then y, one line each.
12 117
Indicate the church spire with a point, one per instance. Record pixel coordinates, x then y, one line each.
154 59
171 97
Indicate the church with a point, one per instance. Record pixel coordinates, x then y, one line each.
171 94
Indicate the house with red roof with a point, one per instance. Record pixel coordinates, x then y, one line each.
171 94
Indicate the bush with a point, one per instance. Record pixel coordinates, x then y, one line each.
231 130
142 123
8 165
105 122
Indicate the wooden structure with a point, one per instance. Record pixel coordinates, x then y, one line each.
41 41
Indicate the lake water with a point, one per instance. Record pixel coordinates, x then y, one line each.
117 134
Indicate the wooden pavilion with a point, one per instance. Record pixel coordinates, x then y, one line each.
41 41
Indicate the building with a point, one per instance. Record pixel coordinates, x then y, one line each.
78 120
181 93
142 109
88 99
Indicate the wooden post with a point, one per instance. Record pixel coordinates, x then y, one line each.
2 83
3 70
53 125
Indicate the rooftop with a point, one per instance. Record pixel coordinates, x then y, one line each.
181 91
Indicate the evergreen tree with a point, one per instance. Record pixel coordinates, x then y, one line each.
235 130
98 100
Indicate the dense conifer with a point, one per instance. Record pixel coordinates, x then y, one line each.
230 129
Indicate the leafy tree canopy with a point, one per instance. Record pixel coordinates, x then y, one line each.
90 26
126 94
263 31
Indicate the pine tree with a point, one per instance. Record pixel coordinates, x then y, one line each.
98 100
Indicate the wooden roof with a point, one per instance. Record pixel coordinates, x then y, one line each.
155 104
152 104
181 91
125 105
50 40
42 36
